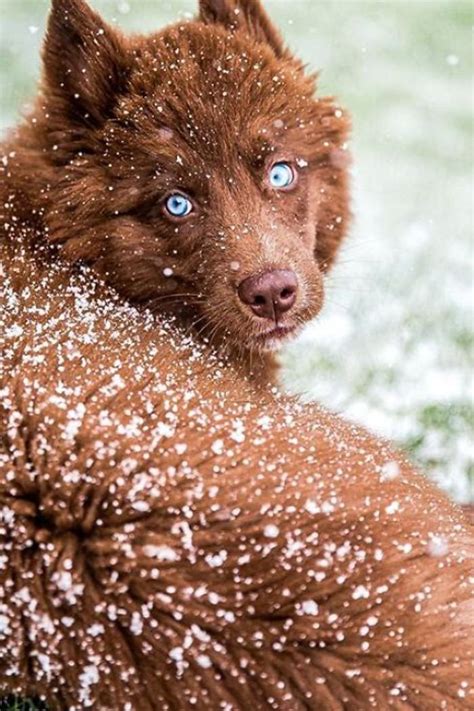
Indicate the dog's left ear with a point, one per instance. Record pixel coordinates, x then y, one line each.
84 62
247 15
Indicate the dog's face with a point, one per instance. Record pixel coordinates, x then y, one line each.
194 168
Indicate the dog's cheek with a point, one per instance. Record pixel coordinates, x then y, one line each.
202 252
334 216
132 275
307 238
311 288
127 256
299 215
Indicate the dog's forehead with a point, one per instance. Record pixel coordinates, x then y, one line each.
197 46
217 89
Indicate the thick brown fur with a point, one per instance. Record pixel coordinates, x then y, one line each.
172 538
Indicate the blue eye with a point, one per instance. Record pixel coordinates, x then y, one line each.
178 205
282 175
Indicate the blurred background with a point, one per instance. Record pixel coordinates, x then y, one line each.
393 349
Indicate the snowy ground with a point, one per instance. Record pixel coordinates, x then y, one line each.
394 347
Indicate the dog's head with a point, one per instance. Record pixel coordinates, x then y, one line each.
195 168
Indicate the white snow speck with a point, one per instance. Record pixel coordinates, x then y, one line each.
438 547
204 661
88 678
176 654
307 607
4 625
312 507
360 593
392 508
218 446
136 626
390 471
271 531
96 630
162 553
142 506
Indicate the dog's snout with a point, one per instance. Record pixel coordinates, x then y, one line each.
270 295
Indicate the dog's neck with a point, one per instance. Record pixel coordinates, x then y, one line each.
258 367
261 369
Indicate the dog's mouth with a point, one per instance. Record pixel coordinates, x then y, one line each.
275 337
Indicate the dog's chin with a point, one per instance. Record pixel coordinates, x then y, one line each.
272 340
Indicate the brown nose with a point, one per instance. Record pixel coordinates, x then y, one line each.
270 295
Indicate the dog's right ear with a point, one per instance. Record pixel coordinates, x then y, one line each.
248 15
85 63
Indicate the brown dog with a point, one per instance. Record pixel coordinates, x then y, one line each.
193 168
170 537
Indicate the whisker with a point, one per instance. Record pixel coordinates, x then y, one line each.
167 297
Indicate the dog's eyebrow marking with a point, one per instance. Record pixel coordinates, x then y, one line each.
259 151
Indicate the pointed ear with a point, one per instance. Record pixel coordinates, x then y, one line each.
248 15
84 59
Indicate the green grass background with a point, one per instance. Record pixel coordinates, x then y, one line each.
394 346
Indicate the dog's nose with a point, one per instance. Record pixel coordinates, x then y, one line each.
270 295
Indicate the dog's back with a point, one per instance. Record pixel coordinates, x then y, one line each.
171 540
